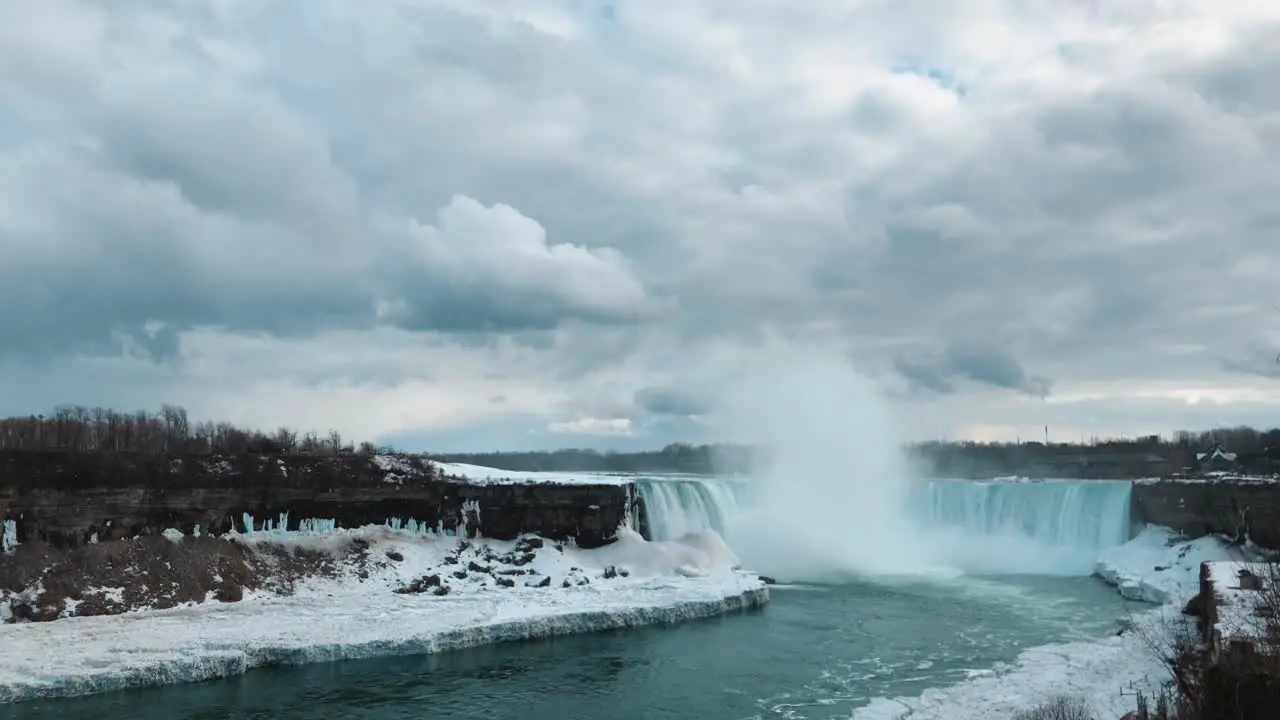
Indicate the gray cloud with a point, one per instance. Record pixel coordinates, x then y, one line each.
976 363
568 207
670 401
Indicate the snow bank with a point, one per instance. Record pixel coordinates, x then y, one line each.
480 475
1156 566
554 590
1241 589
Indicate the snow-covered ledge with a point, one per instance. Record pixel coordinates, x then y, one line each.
498 592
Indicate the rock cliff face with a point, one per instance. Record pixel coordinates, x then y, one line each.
71 499
1234 508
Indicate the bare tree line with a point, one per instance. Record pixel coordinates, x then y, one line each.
72 428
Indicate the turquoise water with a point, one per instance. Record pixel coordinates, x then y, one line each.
818 651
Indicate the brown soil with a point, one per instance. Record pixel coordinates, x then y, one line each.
151 571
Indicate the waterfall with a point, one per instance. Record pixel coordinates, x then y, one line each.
1086 515
990 527
676 506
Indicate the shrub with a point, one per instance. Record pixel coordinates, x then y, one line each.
1062 707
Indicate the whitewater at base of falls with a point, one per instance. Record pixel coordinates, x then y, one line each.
1054 527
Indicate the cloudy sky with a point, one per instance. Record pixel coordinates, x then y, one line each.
459 225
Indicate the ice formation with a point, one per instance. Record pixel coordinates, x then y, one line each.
8 536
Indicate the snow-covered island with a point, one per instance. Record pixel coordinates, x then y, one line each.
179 606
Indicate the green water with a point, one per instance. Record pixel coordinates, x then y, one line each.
815 652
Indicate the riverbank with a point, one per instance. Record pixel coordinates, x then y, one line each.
418 594
1157 567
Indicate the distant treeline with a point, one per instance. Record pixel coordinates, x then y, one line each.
1257 451
77 429
1250 450
674 458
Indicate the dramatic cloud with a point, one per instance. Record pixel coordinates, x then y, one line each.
557 222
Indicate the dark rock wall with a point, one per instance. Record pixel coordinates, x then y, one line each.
1226 507
66 498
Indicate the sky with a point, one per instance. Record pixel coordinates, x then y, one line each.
455 225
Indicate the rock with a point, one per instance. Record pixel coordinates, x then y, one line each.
228 592
768 580
1161 568
460 574
420 585
395 556
529 543
513 571
506 582
1194 606
544 582
610 572
524 559
476 567
565 584
440 590
451 560
624 572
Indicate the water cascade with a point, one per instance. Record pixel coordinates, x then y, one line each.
1050 527
1083 514
677 506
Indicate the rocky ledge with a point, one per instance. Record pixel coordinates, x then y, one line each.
41 583
73 500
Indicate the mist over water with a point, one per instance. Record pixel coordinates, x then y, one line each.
835 497
831 498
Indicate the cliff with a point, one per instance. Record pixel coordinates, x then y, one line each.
1235 507
71 499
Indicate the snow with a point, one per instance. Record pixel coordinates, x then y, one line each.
480 475
347 618
1216 476
1238 603
396 468
1156 566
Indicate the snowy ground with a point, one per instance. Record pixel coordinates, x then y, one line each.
1243 590
1155 567
497 591
480 475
